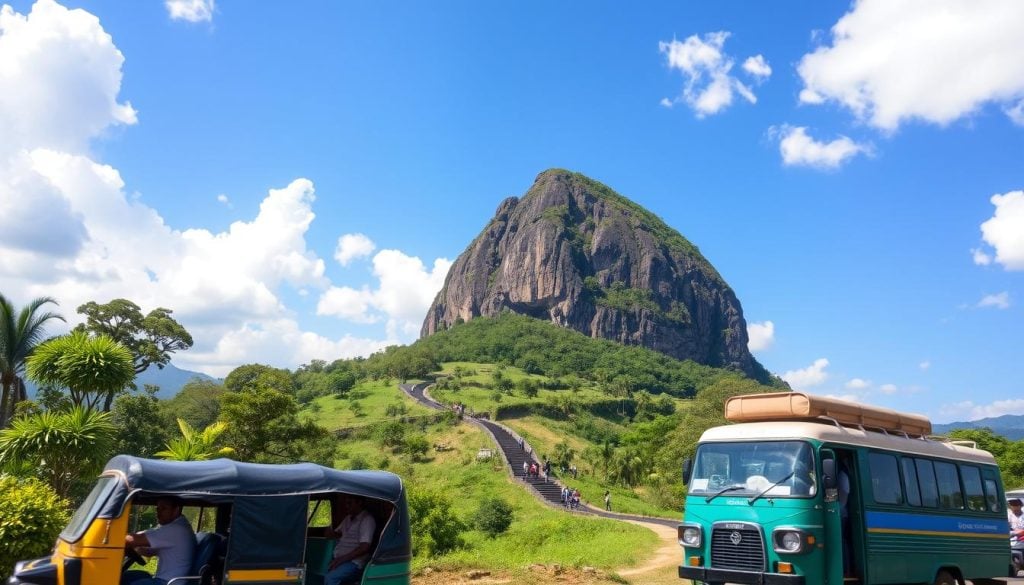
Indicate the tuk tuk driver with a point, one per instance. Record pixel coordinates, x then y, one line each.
173 542
355 537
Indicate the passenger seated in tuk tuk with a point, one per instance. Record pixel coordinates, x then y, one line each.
355 539
173 542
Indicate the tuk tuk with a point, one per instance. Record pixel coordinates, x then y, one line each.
255 524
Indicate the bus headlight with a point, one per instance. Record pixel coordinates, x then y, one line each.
690 535
789 540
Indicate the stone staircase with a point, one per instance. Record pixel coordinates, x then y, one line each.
551 490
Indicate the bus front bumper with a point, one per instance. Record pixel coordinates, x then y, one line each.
711 575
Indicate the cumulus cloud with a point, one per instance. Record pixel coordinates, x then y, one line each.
931 60
757 67
1004 231
60 76
709 86
888 389
761 336
980 257
352 246
858 384
406 289
979 411
995 301
190 10
812 375
800 149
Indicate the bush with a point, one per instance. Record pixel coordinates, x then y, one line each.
435 527
493 517
31 516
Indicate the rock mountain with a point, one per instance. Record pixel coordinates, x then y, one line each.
574 252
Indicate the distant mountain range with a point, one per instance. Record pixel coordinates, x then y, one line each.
170 380
1010 426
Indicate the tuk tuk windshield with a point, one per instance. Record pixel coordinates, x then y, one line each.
89 508
774 468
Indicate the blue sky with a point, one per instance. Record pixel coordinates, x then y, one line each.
852 170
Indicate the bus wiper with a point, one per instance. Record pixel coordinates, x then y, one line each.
731 488
769 488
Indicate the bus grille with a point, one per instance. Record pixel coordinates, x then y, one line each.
737 548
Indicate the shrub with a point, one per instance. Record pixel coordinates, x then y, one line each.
415 445
493 517
31 516
435 527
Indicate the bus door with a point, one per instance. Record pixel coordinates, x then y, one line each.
851 514
832 521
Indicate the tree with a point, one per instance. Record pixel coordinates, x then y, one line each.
19 335
141 428
435 527
493 517
64 447
152 339
264 426
195 445
198 402
259 376
91 368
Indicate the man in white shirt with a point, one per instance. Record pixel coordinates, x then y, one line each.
355 536
1015 517
173 542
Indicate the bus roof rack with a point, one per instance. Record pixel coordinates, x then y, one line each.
788 406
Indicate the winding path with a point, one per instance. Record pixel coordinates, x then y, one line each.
514 450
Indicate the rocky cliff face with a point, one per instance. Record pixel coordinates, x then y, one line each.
575 253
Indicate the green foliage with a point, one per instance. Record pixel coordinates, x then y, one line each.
31 517
620 297
436 529
140 427
415 445
64 448
93 369
198 402
1009 454
391 434
195 445
264 427
151 339
493 517
259 377
20 333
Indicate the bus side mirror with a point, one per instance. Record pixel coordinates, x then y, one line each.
828 473
687 468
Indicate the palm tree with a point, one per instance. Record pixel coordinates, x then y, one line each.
91 368
195 445
62 447
19 335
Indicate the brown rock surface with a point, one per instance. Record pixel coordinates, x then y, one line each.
573 252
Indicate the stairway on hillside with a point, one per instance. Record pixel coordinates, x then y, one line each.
551 490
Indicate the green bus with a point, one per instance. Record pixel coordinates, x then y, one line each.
808 490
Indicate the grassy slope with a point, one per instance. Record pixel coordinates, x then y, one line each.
539 533
543 434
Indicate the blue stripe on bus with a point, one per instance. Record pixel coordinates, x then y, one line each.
898 521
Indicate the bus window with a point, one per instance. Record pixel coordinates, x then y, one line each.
885 478
991 491
910 482
950 495
972 487
926 478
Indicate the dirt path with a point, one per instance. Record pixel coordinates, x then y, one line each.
668 554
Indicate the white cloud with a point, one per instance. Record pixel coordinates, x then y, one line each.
1016 113
924 365
812 375
858 384
190 10
709 86
1004 231
761 336
60 74
222 198
406 289
846 397
980 257
799 149
978 411
352 246
932 60
757 67
888 389
997 301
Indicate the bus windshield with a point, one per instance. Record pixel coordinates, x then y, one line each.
776 468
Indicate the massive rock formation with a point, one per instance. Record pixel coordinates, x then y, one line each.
573 252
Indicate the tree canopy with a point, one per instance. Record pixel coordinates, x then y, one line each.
152 338
20 333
